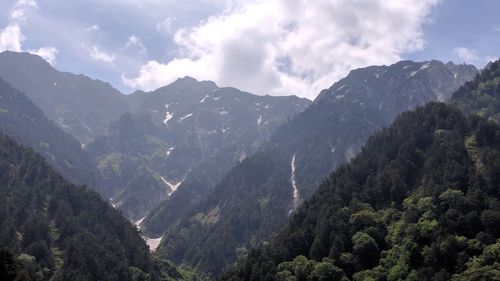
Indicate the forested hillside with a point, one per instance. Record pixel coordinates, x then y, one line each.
482 95
59 231
25 122
182 138
251 202
420 202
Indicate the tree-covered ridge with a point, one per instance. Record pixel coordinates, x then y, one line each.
59 231
482 95
255 198
24 122
420 202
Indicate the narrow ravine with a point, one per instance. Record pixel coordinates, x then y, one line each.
152 243
294 186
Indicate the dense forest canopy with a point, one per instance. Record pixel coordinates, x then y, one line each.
53 230
421 201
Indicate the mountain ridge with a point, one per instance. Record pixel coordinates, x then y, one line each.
329 132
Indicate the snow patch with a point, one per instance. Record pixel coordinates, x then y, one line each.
294 186
169 151
377 75
216 98
204 98
184 117
339 97
341 87
259 120
223 113
152 243
138 223
380 105
455 76
112 203
425 66
168 116
173 186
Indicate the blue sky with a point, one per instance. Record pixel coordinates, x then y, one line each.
276 47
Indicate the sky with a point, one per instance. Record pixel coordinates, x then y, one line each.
275 47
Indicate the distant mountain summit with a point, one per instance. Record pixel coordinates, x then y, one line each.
257 195
82 106
184 136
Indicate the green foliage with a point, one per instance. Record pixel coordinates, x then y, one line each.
302 269
412 206
59 231
24 122
482 95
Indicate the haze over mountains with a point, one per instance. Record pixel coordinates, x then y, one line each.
143 156
256 196
227 178
419 202
188 131
82 106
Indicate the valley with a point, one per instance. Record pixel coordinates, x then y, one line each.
249 140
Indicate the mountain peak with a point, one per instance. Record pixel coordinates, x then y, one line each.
188 81
24 58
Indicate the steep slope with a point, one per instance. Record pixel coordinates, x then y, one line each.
64 232
300 154
26 123
184 136
420 202
482 95
81 106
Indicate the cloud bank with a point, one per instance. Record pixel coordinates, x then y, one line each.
11 37
283 47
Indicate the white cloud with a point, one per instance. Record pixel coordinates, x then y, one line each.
136 41
165 26
93 27
47 53
467 55
99 55
30 3
11 38
291 47
17 13
471 56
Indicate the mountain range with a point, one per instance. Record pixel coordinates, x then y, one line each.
184 136
420 202
256 196
240 186
144 145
